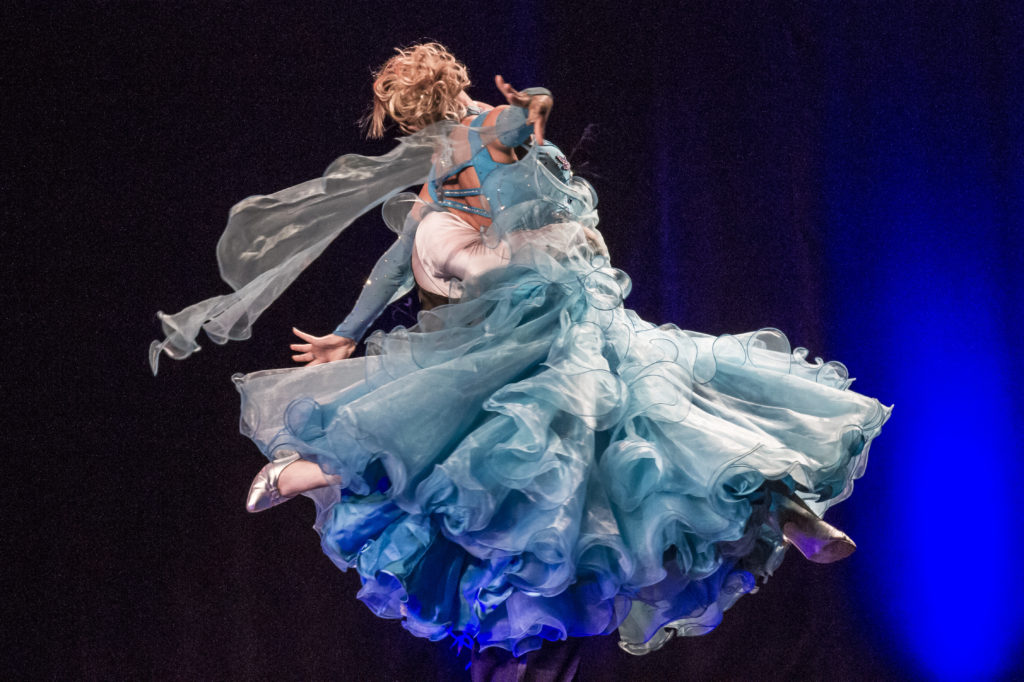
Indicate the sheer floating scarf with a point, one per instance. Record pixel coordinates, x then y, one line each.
270 239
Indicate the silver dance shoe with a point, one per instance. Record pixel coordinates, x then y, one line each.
264 494
816 540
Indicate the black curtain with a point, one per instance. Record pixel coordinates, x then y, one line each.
710 132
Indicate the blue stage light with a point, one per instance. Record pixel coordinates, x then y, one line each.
919 268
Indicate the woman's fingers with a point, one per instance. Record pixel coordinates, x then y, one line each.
511 94
539 106
305 349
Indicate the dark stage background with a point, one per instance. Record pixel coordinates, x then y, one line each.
849 172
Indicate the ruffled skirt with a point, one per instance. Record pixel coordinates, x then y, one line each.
537 462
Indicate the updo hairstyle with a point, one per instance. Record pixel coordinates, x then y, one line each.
418 86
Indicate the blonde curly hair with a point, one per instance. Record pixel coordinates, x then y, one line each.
420 85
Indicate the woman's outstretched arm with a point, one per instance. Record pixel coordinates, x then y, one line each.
391 274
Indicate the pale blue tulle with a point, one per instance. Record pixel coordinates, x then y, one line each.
537 462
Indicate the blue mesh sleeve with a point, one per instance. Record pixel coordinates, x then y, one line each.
390 279
513 121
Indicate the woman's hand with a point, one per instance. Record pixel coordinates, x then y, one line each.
321 349
538 107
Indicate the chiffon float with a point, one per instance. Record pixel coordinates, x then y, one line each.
537 462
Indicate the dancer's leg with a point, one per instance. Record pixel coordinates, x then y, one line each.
285 478
303 475
553 662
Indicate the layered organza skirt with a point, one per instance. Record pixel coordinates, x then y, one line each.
536 462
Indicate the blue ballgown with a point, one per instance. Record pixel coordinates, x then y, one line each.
536 462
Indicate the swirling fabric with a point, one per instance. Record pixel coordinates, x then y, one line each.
537 462
271 239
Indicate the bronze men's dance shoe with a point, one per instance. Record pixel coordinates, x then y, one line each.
264 494
815 539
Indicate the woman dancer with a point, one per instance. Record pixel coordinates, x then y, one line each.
534 462
449 247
